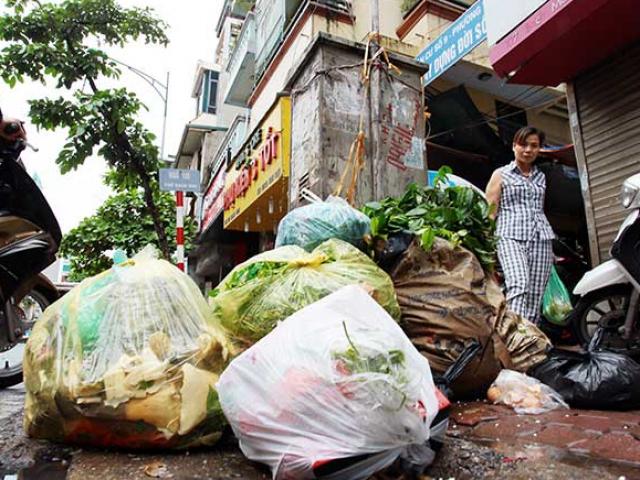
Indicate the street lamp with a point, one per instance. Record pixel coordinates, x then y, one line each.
162 89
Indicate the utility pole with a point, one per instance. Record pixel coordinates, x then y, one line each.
162 89
375 18
375 100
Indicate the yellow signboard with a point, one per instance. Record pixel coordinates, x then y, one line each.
263 169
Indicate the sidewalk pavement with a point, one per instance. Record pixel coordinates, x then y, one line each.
606 435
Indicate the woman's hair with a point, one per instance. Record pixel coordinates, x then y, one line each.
522 134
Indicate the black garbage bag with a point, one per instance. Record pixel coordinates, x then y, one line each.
444 381
597 379
389 252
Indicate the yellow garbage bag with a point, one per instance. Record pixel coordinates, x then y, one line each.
128 358
273 285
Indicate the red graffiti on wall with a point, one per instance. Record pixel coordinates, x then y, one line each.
396 136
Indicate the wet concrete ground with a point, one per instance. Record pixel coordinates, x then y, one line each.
465 456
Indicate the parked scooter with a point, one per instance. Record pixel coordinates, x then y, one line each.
609 294
29 239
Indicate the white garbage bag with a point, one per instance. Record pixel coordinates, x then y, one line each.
526 395
336 380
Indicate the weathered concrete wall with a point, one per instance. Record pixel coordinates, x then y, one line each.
306 165
328 99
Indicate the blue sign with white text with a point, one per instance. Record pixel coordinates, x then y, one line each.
179 180
462 36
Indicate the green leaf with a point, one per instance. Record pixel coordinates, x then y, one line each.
374 205
416 212
213 401
427 238
457 214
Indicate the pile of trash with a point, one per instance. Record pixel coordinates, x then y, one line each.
128 358
449 302
331 356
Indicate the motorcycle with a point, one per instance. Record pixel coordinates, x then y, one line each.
609 294
29 239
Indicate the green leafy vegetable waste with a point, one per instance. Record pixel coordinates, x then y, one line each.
458 214
359 362
273 285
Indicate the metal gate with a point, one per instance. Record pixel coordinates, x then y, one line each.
604 105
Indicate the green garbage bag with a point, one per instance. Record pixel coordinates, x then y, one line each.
310 225
556 303
273 285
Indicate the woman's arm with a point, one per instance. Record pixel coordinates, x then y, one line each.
494 187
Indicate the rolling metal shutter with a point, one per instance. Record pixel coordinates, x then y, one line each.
607 101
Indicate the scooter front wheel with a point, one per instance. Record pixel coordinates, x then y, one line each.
605 308
29 309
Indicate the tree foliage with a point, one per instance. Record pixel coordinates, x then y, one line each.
122 222
57 40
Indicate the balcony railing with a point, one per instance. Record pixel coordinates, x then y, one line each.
275 18
241 65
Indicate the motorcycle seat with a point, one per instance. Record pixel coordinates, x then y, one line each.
14 228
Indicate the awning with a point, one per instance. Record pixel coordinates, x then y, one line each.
563 38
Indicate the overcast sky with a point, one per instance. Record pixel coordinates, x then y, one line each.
192 34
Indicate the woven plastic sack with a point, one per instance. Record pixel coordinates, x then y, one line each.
128 358
312 224
556 302
336 380
525 394
269 287
448 303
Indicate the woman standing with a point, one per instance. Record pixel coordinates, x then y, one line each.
525 235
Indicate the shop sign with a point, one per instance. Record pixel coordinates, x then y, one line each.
212 204
245 153
266 154
462 36
260 164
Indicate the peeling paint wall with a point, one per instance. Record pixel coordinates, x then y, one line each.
326 110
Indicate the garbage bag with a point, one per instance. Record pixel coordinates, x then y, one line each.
275 284
311 225
387 253
337 380
527 345
444 381
598 380
128 358
525 394
556 302
448 303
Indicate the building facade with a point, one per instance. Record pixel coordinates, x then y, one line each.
291 101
